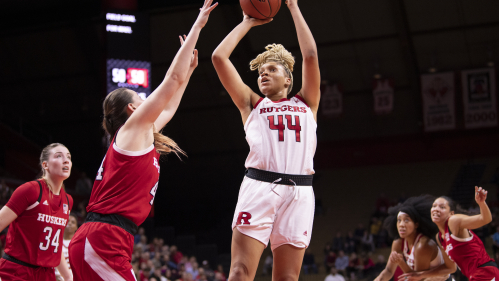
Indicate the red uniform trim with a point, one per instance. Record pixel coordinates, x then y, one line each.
302 99
281 100
258 102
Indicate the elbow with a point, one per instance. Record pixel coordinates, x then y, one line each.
310 55
216 58
176 78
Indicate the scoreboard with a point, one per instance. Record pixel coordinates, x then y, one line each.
128 52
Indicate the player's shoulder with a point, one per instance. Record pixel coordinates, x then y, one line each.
28 186
397 245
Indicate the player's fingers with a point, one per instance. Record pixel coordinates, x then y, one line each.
212 7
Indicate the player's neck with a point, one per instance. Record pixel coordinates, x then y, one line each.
55 185
68 236
277 96
411 239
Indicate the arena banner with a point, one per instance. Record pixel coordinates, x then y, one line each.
479 98
439 107
383 96
331 100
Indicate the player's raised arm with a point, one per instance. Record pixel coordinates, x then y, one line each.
241 94
167 113
143 117
459 222
311 77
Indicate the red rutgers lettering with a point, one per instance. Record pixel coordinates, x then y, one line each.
243 218
262 110
284 107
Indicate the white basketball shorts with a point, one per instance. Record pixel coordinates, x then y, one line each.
283 214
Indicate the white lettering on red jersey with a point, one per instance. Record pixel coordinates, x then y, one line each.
282 136
126 183
35 237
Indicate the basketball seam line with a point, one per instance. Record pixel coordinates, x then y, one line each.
251 1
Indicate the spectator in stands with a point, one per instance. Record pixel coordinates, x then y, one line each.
382 205
268 264
341 263
309 265
81 212
219 277
5 192
367 242
338 242
334 276
83 185
358 233
136 237
220 269
378 267
153 279
144 274
194 269
495 241
209 273
175 254
156 274
330 261
367 264
351 243
202 277
353 266
375 227
143 244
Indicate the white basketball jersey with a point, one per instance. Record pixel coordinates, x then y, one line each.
409 257
281 136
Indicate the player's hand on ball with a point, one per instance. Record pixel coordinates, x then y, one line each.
255 22
480 194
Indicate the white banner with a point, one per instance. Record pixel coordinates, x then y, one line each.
438 93
383 96
331 100
479 98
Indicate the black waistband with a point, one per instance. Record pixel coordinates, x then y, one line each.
489 263
266 176
14 260
113 219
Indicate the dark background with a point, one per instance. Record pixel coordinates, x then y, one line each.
52 72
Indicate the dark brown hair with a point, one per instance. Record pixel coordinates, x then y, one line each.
115 115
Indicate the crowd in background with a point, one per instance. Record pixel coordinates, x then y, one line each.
155 261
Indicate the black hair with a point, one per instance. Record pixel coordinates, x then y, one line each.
418 208
454 207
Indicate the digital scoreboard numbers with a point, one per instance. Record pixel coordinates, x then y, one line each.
128 52
134 75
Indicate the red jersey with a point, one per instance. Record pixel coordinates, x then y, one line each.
35 237
467 253
126 183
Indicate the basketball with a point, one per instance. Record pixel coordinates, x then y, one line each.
260 9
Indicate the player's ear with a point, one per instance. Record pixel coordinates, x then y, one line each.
130 109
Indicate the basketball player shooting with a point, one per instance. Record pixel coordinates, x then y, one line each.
276 198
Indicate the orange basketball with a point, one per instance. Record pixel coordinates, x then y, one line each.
260 9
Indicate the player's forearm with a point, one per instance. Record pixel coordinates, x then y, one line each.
64 269
440 270
485 213
305 38
385 275
227 46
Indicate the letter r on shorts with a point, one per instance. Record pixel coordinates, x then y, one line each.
243 218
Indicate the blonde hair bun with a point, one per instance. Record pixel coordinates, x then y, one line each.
276 53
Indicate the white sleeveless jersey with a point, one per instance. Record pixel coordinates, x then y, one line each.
281 136
409 257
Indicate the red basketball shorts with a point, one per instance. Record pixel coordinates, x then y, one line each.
486 273
10 271
101 251
283 214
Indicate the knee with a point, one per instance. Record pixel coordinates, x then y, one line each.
238 272
286 277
